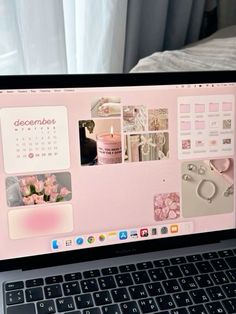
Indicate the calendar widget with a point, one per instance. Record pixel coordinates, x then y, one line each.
35 139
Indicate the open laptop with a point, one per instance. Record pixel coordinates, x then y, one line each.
117 193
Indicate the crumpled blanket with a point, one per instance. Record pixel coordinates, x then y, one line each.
214 54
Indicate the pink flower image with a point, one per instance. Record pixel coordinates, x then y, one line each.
40 189
166 206
39 186
64 191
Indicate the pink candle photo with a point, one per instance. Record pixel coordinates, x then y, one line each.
109 148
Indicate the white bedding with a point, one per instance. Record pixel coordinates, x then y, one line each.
211 54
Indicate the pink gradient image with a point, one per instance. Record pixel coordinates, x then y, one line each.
106 107
166 206
38 189
157 119
199 108
134 118
100 141
146 147
40 221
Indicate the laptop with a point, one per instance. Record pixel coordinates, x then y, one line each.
118 193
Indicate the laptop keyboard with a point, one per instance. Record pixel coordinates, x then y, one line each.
195 284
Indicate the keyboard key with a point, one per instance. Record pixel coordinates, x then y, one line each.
179 311
91 273
178 260
14 285
127 268
107 282
73 276
171 286
204 281
124 280
188 283
53 291
197 309
65 304
74 312
71 288
204 267
219 264
230 290
232 275
226 253
215 293
189 269
102 298
194 258
46 307
111 309
120 294
215 308
22 309
182 299
34 282
157 274
34 294
140 277
95 310
219 278
109 271
231 261
210 255
173 272
165 302
199 296
137 292
148 305
144 265
155 289
161 263
15 297
230 305
84 301
129 307
89 285
53 279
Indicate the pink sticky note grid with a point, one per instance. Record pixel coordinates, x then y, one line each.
185 125
199 125
213 107
227 106
199 108
185 108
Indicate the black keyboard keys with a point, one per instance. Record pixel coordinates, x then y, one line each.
34 294
137 292
111 309
53 291
215 293
182 299
15 297
124 280
173 272
155 289
120 294
129 307
165 302
148 305
22 309
46 307
107 282
215 308
140 277
65 304
34 282
14 285
84 301
89 285
199 296
102 298
157 274
71 288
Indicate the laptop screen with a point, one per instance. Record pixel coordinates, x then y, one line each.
89 167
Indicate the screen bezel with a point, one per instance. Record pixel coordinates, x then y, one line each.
113 80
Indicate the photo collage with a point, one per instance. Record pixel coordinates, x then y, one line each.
119 133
